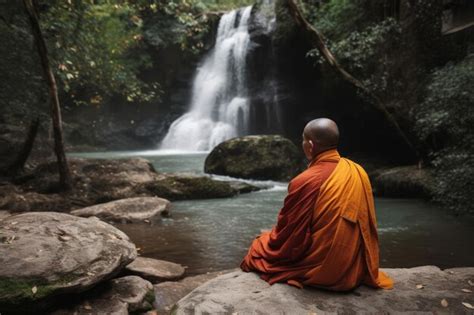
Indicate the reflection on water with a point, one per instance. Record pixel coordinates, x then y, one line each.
214 234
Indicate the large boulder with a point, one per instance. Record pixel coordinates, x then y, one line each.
417 290
155 270
129 210
44 254
130 294
263 157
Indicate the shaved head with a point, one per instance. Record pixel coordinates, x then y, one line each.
323 132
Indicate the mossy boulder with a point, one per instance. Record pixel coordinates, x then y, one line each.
404 182
264 157
46 254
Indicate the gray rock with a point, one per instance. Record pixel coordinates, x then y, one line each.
155 270
403 181
169 292
129 210
44 254
185 186
117 296
243 187
246 293
256 157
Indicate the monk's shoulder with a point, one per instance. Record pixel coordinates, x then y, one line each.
359 168
312 174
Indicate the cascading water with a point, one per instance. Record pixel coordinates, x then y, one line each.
220 105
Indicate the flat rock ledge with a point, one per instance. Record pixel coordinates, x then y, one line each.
417 290
128 210
155 270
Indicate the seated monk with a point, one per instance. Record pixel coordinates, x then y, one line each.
326 233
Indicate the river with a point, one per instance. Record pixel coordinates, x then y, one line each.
214 234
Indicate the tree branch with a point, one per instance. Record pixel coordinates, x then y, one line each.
316 39
64 173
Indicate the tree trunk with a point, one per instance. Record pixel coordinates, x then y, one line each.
317 40
19 163
64 173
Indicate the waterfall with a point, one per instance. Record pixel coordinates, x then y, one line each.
219 105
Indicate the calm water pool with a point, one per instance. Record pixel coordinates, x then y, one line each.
214 234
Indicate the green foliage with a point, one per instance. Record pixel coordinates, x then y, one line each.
445 117
365 53
337 18
93 45
98 49
444 123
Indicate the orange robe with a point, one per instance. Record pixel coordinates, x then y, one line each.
326 233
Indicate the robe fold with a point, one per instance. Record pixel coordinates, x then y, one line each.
326 232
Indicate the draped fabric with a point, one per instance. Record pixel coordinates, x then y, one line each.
326 232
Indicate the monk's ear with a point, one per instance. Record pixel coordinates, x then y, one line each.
312 145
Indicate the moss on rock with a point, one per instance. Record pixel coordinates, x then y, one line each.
266 157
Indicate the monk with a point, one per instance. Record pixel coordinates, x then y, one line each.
326 233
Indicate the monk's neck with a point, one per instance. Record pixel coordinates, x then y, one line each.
328 155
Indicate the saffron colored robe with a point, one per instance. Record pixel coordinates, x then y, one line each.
326 233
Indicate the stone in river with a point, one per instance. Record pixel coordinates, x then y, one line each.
45 254
245 293
124 295
130 209
155 270
264 157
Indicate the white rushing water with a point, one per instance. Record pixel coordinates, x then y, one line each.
219 107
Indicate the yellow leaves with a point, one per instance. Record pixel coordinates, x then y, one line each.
96 100
136 20
444 303
419 286
34 289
